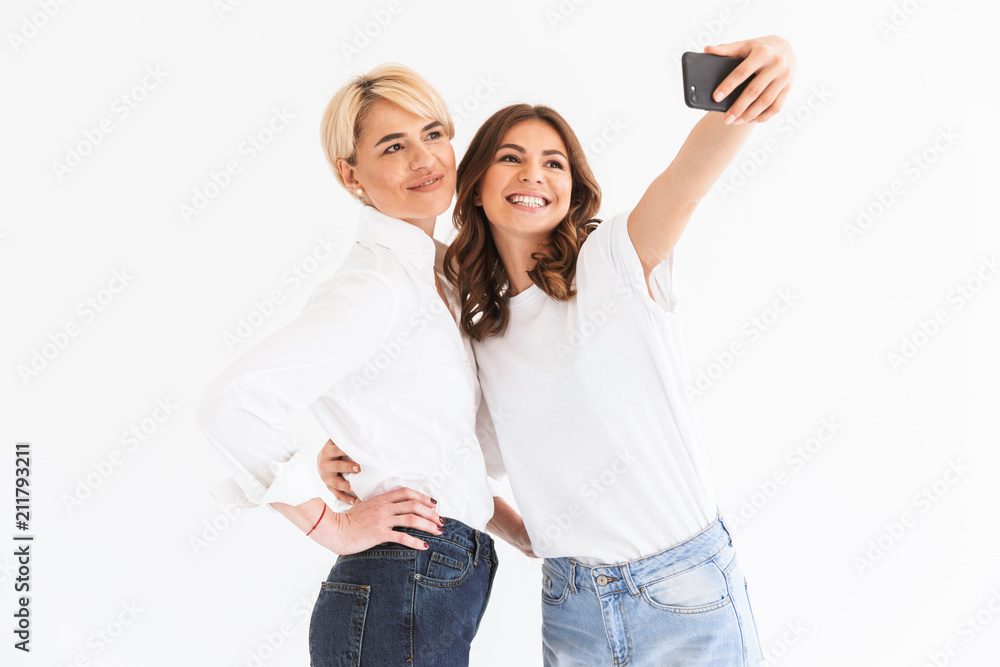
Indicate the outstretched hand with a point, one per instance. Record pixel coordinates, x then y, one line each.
772 60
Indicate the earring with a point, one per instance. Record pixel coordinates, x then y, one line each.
361 193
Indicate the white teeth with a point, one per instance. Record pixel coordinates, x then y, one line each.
524 200
427 183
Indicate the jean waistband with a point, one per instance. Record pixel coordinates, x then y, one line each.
479 544
631 575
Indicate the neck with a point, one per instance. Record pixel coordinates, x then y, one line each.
425 225
515 253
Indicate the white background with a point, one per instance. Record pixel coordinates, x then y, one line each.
877 83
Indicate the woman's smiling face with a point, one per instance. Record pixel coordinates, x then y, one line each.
405 164
526 190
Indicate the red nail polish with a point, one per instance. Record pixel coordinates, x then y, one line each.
434 501
426 546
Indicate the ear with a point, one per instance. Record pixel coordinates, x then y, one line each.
348 174
477 199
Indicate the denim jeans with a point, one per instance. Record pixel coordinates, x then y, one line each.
687 606
393 605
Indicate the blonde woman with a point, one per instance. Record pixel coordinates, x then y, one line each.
379 360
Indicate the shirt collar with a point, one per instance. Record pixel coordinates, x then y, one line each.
403 238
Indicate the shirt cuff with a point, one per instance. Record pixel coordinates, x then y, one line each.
296 481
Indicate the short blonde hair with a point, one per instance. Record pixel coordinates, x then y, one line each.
342 122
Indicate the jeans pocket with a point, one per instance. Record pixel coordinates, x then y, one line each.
447 564
697 590
337 624
555 587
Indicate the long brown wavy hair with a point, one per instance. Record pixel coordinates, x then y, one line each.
472 262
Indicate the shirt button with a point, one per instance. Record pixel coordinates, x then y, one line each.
602 580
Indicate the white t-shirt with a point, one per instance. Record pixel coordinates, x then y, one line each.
599 438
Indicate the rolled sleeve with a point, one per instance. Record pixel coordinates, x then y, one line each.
242 410
614 244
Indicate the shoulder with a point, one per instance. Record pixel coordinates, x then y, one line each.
605 238
368 274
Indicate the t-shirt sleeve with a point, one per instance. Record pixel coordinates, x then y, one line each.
242 410
611 244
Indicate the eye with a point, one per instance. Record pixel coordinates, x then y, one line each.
508 158
434 135
554 163
394 148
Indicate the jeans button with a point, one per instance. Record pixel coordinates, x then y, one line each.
602 580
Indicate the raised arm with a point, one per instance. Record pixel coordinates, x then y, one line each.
656 223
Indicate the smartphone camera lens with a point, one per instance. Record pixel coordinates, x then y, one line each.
694 98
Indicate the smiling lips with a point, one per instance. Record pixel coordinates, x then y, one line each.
430 184
528 201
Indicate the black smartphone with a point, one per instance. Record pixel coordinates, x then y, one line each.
702 73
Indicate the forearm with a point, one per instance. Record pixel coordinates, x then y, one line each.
658 220
506 522
706 153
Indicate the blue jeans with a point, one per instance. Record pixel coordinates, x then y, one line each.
393 605
687 606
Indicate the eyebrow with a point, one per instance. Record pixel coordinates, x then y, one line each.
400 135
521 150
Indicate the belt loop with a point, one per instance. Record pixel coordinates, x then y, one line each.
475 551
572 576
626 573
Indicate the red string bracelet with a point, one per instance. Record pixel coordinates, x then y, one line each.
319 519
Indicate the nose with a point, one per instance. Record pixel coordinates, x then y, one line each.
421 157
532 173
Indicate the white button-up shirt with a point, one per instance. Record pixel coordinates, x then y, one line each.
380 362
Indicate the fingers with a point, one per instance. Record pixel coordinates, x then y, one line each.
413 508
340 488
337 467
432 526
332 451
779 102
773 67
733 49
405 493
343 496
407 540
752 62
333 465
761 103
758 87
